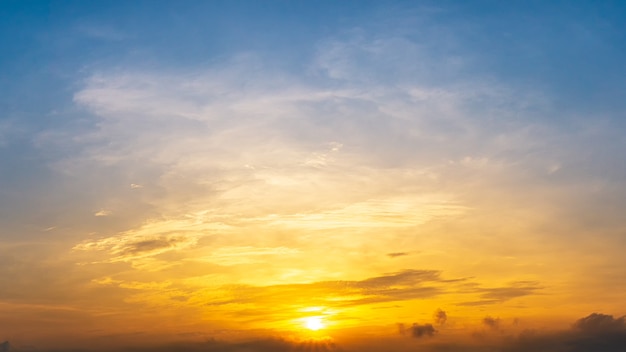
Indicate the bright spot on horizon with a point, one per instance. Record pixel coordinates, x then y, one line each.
314 323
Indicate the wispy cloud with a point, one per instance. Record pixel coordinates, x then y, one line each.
397 254
277 305
143 242
493 295
246 255
296 145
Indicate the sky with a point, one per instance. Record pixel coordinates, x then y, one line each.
312 176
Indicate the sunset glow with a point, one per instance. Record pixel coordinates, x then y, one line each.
313 323
299 175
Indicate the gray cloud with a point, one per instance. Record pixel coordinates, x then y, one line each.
397 254
418 330
5 346
440 317
492 323
493 295
517 289
402 278
425 330
594 333
596 323
151 245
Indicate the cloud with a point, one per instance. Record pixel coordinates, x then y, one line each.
425 330
275 303
339 150
403 285
402 278
492 323
103 212
596 332
269 156
494 295
517 289
246 254
269 304
397 254
440 317
289 137
418 330
396 212
599 323
131 246
271 186
5 346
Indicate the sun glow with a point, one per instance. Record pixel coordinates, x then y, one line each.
314 323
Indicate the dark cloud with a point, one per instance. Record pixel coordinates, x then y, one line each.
493 323
440 317
397 254
417 330
5 346
600 323
425 330
594 333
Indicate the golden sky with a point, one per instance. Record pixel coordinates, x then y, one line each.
234 177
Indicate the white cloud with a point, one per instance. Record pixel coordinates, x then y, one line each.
149 240
251 146
245 154
103 212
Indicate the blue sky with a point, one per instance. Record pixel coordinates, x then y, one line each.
162 157
571 49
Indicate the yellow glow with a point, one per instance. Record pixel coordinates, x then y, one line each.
314 323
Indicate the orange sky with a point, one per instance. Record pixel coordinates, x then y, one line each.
340 177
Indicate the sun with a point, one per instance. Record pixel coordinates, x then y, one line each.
314 323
